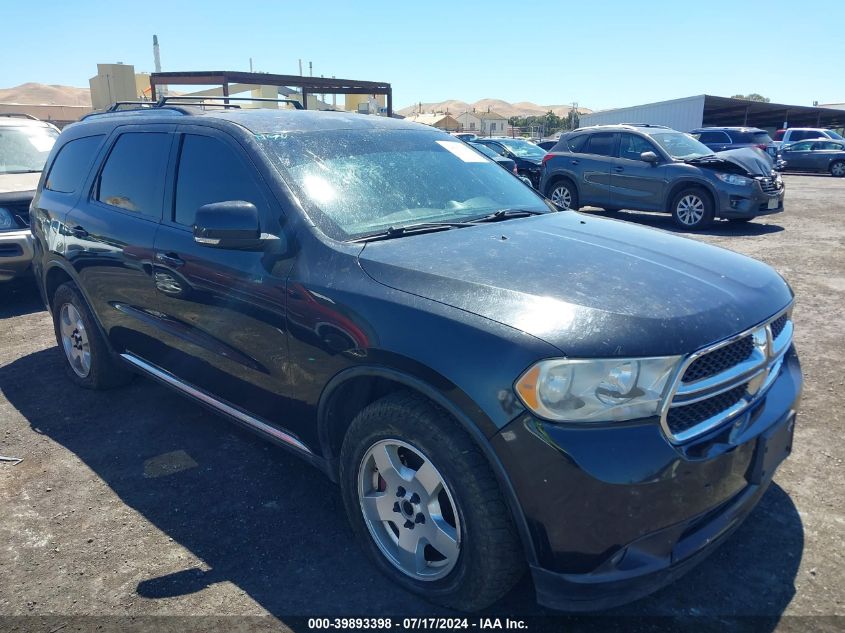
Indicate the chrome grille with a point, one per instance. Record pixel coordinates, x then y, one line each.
719 382
720 360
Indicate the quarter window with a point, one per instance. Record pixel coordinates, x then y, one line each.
72 163
600 144
209 171
133 176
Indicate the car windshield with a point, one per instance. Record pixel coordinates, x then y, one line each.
835 135
25 148
355 183
523 149
681 146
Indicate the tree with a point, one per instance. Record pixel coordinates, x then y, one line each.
753 96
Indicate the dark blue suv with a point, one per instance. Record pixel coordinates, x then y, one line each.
496 386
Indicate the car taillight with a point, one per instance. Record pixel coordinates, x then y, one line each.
762 146
547 157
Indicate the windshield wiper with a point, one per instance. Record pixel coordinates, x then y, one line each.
392 232
704 158
22 171
506 214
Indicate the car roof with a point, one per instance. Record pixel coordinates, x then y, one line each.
21 120
729 128
257 120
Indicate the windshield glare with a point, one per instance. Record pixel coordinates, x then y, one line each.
523 149
359 182
681 146
835 135
25 148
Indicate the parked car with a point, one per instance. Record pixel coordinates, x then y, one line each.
465 136
795 134
527 156
816 156
720 139
546 144
25 143
501 161
495 385
654 168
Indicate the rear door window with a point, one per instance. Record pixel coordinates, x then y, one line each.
132 178
72 164
601 144
576 143
210 171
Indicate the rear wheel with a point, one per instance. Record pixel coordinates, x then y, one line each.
424 503
88 360
564 195
837 169
692 209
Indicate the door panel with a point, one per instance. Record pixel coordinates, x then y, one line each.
220 313
109 234
594 164
637 184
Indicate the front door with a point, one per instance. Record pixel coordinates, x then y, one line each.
635 183
221 313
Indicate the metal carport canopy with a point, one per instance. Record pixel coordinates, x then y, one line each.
724 111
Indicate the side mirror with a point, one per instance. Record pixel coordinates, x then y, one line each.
650 157
233 224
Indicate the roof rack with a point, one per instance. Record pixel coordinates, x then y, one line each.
201 100
19 115
645 125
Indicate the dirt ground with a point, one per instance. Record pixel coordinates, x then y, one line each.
137 502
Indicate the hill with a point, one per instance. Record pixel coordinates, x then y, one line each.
505 108
38 94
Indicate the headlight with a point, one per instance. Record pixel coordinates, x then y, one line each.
734 179
6 220
596 390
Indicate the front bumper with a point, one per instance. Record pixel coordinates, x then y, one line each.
740 202
15 253
616 513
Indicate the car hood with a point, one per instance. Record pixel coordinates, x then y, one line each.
590 286
752 162
13 183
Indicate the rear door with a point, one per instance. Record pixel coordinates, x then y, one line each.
109 234
593 165
635 183
221 313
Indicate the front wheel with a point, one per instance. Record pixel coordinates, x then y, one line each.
837 169
564 195
692 209
425 505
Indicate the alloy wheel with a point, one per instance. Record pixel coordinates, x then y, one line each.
690 210
409 510
837 169
561 196
75 340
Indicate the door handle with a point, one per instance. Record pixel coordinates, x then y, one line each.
169 259
619 168
574 162
78 231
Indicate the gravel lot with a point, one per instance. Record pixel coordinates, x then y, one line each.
137 502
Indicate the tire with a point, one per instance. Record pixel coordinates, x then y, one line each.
564 194
692 209
837 168
88 360
478 555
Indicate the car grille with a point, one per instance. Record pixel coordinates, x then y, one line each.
770 185
720 360
721 381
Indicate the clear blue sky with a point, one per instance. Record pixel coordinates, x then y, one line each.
601 53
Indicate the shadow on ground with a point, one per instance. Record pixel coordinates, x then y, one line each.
665 222
275 527
19 297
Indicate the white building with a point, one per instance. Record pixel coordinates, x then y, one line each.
483 123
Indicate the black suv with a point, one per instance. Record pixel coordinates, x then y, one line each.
495 385
654 168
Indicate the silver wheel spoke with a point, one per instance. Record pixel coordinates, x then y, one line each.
378 506
388 464
442 537
428 478
411 551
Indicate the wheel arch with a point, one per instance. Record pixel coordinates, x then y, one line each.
676 188
334 417
556 177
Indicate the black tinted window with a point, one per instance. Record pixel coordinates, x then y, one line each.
576 143
712 137
72 164
601 144
133 176
209 171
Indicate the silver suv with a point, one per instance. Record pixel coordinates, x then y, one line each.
654 168
25 143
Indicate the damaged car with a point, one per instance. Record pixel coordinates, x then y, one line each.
654 168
